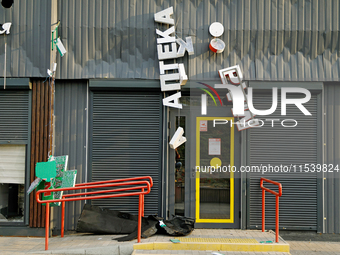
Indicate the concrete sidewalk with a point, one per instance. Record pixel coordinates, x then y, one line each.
103 244
314 248
70 244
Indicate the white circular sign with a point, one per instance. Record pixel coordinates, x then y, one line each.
216 29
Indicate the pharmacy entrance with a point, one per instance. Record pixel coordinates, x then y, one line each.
203 178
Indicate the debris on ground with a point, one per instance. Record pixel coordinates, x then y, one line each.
175 241
96 220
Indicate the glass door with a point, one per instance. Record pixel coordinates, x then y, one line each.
180 163
201 184
214 171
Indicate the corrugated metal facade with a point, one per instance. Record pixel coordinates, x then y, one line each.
29 41
332 156
70 139
270 40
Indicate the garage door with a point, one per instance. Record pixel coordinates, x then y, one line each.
289 147
126 142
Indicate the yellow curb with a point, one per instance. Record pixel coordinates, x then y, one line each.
256 247
152 253
213 246
216 240
146 246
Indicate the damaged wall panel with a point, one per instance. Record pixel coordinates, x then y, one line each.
29 41
270 40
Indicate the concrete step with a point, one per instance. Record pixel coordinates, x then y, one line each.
216 240
215 244
195 252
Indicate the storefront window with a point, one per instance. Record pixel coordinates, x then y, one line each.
12 179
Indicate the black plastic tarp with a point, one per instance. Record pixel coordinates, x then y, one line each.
95 220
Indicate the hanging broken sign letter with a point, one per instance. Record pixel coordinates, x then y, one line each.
5 28
172 75
167 49
177 139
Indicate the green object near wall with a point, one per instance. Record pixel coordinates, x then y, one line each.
53 175
69 179
46 170
60 163
46 185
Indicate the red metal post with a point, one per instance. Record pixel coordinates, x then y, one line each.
142 204
277 219
139 219
47 225
263 210
277 195
62 218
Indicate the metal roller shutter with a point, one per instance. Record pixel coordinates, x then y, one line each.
12 163
127 143
286 146
14 116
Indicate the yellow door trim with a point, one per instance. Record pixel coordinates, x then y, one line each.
231 220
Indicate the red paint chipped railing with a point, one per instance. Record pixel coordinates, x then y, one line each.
277 195
140 187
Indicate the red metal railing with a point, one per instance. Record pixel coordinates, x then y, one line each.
143 184
277 195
